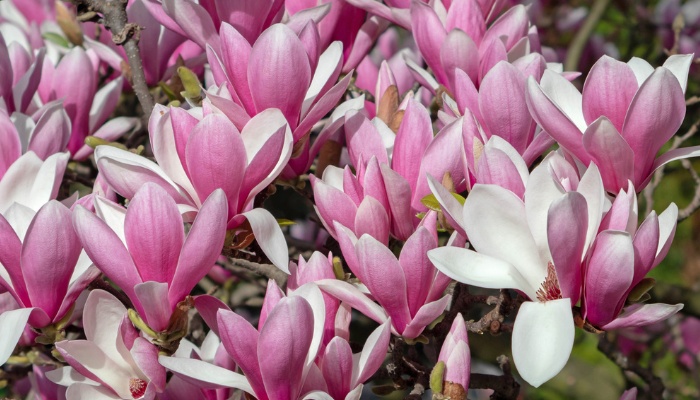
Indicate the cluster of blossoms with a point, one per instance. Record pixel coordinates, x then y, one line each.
440 144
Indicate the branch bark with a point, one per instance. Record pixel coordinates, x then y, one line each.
127 35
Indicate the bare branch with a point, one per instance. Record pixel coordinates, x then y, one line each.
127 35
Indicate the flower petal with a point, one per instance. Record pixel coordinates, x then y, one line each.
543 336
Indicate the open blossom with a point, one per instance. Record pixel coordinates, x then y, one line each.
200 151
113 362
43 267
144 249
618 122
409 289
277 358
536 246
284 69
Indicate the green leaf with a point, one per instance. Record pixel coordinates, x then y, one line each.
432 203
437 377
285 222
56 39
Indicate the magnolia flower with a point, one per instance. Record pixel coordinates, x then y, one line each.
284 69
42 265
409 289
461 41
456 355
113 362
536 246
88 108
277 359
620 258
21 74
618 121
199 153
144 249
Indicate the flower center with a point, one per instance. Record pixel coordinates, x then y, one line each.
137 387
550 287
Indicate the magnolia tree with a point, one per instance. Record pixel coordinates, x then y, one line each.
321 199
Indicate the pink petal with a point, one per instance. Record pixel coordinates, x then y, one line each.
466 16
398 194
146 357
246 16
417 267
458 51
201 248
553 120
608 91
106 250
282 362
567 224
384 277
322 107
154 233
372 219
611 153
646 241
425 316
333 205
240 339
216 158
413 137
429 34
279 72
152 303
502 104
194 21
649 123
349 294
608 276
363 139
642 315
49 253
12 276
337 367
235 53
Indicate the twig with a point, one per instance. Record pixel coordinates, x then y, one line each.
267 270
655 388
577 45
505 387
688 210
127 35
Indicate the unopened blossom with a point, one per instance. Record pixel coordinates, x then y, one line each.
409 289
144 249
199 151
112 362
43 267
618 122
456 355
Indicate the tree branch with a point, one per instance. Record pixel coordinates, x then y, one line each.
579 43
127 35
655 389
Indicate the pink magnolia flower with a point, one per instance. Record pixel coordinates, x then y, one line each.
200 151
277 359
535 246
284 69
620 258
409 289
413 153
113 362
618 122
462 41
498 107
456 355
21 74
88 108
43 267
144 249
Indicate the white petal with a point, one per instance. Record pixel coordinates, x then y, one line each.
477 269
12 325
496 226
642 69
565 95
543 336
269 237
679 65
210 375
